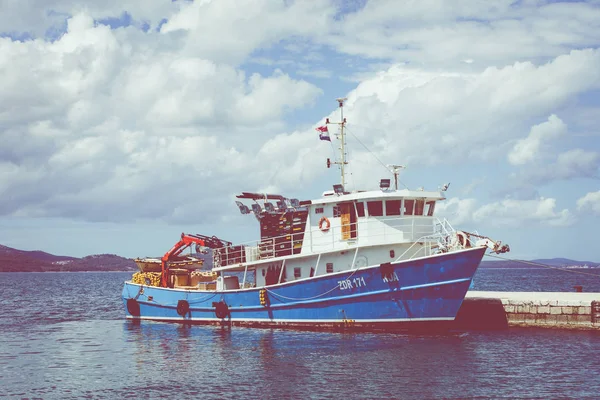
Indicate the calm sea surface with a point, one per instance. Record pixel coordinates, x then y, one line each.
63 335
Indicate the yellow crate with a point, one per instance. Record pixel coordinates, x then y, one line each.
180 277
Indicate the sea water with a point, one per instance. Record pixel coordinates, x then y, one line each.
63 335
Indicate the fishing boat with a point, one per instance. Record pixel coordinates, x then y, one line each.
373 259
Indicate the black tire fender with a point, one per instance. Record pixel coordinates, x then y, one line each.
133 307
221 309
183 307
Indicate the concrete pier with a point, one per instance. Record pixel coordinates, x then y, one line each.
501 310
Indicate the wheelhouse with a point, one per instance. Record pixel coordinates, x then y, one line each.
369 218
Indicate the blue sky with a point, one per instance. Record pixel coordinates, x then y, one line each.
123 124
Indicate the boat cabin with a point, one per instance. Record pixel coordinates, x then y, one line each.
371 217
338 221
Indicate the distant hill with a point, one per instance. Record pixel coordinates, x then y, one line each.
36 254
14 260
565 262
554 262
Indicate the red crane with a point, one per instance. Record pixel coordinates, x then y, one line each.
187 240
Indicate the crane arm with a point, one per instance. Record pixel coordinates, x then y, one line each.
185 241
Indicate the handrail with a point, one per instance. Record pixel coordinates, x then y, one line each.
383 227
422 239
406 251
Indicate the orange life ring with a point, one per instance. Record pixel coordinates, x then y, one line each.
324 224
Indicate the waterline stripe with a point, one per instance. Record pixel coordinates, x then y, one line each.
306 321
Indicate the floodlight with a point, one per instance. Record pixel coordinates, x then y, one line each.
384 184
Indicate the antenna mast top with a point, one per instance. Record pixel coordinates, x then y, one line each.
396 170
342 124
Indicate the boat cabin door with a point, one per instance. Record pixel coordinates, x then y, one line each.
348 221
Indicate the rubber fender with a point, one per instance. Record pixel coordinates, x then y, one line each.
221 309
183 307
133 307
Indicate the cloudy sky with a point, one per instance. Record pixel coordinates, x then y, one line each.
124 123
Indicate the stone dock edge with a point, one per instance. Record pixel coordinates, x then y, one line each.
502 310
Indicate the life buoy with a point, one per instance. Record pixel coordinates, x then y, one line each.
183 307
324 224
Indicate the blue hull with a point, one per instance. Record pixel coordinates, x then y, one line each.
403 295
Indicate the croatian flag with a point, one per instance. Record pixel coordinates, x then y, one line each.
324 133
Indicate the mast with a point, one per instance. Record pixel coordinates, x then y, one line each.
342 124
396 170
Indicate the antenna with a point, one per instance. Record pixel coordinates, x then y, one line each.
396 170
342 161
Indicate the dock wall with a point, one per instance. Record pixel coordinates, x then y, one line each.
500 310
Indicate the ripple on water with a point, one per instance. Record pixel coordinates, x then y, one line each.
64 336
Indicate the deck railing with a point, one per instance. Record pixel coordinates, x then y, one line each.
426 235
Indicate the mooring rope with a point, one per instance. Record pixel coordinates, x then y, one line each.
544 265
313 297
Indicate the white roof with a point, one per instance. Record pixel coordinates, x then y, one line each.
381 195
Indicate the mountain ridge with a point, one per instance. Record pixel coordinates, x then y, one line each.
15 260
541 263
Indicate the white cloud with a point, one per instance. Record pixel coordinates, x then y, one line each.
37 19
577 163
99 128
516 213
100 106
474 184
428 33
570 164
287 93
93 71
509 213
457 211
101 119
431 33
591 202
243 25
526 150
412 116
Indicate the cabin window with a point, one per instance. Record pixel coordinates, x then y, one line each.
297 273
312 272
408 207
392 207
336 211
319 210
329 268
429 207
375 208
360 209
419 204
